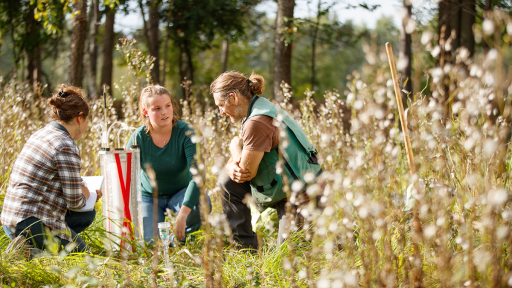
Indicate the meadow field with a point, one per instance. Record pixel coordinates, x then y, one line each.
452 230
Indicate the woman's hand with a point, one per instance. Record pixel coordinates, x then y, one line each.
85 191
181 222
99 195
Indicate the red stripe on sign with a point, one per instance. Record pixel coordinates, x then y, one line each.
125 191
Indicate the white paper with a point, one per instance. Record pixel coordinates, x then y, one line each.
93 183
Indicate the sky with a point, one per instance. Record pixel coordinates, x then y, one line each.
358 15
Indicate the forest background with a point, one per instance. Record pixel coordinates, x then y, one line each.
50 42
43 41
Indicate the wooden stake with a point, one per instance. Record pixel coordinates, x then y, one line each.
408 147
416 275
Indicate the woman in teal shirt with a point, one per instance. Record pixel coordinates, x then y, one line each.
165 144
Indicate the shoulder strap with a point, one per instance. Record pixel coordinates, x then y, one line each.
253 100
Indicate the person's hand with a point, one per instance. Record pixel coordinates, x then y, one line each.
236 173
99 195
179 228
85 191
181 222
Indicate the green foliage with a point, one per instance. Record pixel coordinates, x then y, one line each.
51 13
253 52
199 21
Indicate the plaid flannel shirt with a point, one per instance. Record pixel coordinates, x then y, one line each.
45 180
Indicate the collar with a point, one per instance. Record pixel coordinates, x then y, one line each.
59 126
253 100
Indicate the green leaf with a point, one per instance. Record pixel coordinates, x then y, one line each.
111 3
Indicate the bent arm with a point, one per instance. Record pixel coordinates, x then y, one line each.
192 194
67 162
258 135
236 173
251 161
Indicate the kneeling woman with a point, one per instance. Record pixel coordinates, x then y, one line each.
166 146
45 179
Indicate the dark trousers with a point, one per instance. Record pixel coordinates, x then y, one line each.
34 230
239 214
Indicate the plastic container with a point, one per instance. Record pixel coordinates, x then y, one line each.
163 231
121 197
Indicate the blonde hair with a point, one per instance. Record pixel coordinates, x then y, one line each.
148 92
236 82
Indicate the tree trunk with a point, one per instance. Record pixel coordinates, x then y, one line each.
282 52
166 54
488 5
462 15
33 49
314 35
76 67
185 63
467 20
459 16
444 33
92 53
313 63
444 29
444 18
488 9
94 13
225 54
406 54
454 16
151 32
34 69
108 49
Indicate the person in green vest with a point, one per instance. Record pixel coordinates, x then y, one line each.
256 152
165 144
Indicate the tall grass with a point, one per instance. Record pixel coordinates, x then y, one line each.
364 236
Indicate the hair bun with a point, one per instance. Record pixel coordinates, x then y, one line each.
258 84
67 104
56 101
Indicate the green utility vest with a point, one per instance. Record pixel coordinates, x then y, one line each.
299 156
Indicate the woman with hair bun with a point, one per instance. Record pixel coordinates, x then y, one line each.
45 180
255 153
